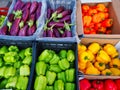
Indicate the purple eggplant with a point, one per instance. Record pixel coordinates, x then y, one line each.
31 30
56 32
3 30
50 33
33 7
38 11
26 6
64 13
68 33
22 31
45 33
57 24
62 33
11 17
18 6
49 13
65 19
25 15
15 27
59 9
31 20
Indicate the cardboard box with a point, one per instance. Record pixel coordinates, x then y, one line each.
115 42
114 12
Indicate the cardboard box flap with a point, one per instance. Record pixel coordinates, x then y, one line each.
94 1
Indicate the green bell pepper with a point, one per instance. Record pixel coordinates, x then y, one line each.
1 62
41 68
9 72
63 54
22 83
22 54
69 86
70 75
17 64
55 59
13 48
11 82
61 76
70 56
3 50
59 85
50 77
28 51
11 57
2 70
46 55
55 68
40 83
3 83
49 88
24 70
64 64
27 60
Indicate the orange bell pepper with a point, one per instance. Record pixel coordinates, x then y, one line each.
101 30
91 12
107 23
85 7
100 7
87 20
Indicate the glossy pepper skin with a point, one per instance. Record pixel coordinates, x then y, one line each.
13 48
69 86
81 48
84 84
28 51
110 85
3 50
99 66
61 76
97 84
106 72
87 20
70 75
49 88
107 23
55 59
40 83
50 77
115 63
115 71
59 85
70 56
117 82
103 57
55 68
63 54
9 72
41 68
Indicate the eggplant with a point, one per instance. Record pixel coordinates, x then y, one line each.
3 30
26 6
49 13
22 31
25 15
56 32
45 33
68 33
59 9
31 30
15 27
64 13
57 24
38 11
50 33
31 20
65 19
62 33
18 6
33 7
11 17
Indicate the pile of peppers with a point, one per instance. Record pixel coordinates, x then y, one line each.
96 19
107 84
55 71
15 67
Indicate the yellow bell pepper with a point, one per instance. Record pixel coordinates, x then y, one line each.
115 71
84 57
81 65
92 57
81 48
89 64
115 63
103 57
94 47
92 70
100 66
106 72
115 55
109 49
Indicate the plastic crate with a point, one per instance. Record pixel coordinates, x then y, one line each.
54 4
56 46
21 45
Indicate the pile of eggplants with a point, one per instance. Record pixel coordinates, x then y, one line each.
23 20
58 23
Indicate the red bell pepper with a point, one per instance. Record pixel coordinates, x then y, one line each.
110 85
107 23
84 84
92 89
108 32
117 82
98 84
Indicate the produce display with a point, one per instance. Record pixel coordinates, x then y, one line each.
96 59
2 18
96 19
107 84
58 23
55 71
15 67
22 21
